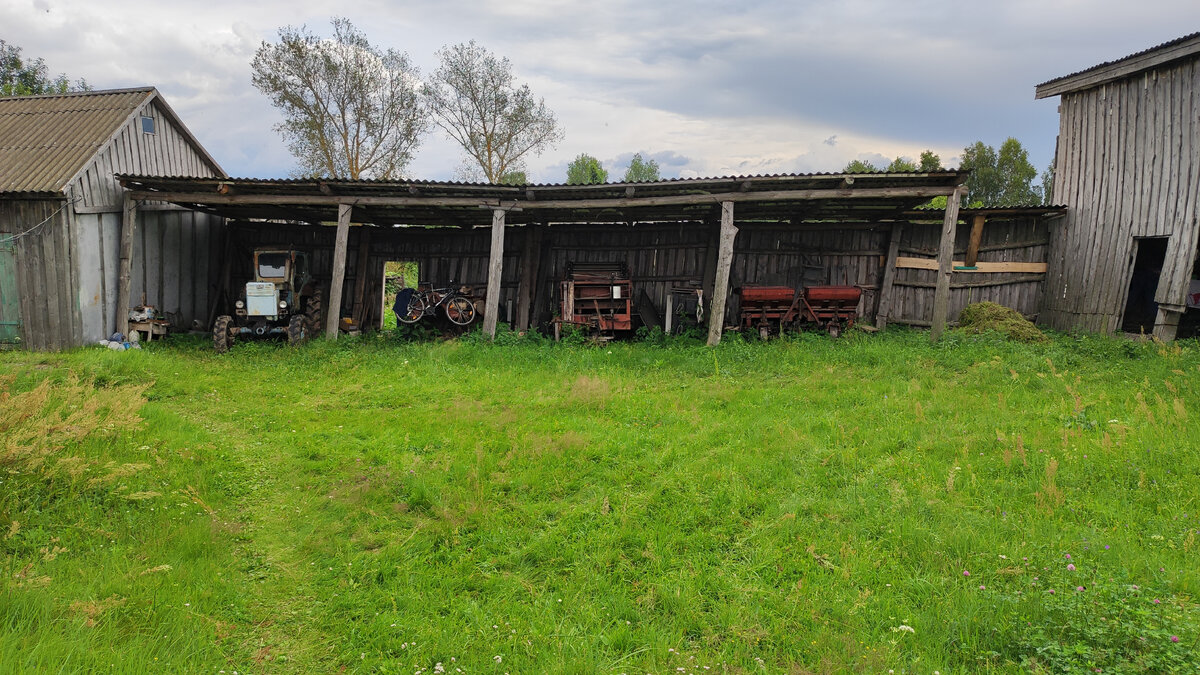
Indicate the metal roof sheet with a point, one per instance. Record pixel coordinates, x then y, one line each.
793 197
1167 52
46 140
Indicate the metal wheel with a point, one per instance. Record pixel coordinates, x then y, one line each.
222 340
764 332
312 313
460 310
416 310
297 329
835 329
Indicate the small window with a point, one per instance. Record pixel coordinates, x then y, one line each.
147 125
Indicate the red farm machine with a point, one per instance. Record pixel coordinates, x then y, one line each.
774 309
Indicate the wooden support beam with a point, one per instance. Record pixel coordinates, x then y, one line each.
360 276
889 277
213 198
128 227
334 313
716 317
941 294
903 262
491 308
976 237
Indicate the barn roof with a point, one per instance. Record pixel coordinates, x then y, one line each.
45 141
791 197
1175 50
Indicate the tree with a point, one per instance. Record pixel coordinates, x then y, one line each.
1048 184
641 170
514 178
930 162
350 110
21 77
475 101
859 166
901 165
1003 178
586 170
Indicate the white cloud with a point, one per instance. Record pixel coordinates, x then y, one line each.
770 86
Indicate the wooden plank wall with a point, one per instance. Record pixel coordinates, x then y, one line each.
661 255
1128 165
176 267
166 152
443 255
46 272
1016 240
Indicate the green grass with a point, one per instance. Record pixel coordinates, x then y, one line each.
376 506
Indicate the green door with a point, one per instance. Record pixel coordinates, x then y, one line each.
10 308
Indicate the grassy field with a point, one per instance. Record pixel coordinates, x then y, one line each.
874 504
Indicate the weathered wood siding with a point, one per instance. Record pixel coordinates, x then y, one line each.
45 257
662 255
1128 165
167 152
1017 240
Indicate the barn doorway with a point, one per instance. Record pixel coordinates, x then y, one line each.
397 275
1140 308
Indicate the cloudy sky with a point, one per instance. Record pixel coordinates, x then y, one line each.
707 88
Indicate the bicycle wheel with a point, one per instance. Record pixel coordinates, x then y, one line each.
460 310
416 310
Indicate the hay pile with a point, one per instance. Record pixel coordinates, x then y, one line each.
982 317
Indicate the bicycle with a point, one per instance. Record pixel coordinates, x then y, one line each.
419 304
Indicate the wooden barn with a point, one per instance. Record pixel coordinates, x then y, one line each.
1128 169
61 260
682 241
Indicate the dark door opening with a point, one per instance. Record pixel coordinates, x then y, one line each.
1140 308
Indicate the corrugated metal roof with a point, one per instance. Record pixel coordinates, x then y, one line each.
792 197
45 140
1124 66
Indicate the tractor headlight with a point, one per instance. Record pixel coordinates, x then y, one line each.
283 304
239 304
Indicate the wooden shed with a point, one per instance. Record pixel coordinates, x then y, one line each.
1127 167
61 211
515 243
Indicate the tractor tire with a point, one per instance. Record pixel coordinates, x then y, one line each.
312 313
297 329
222 340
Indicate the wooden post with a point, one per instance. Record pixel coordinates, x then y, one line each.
334 312
360 277
491 307
128 227
976 237
941 293
889 277
716 317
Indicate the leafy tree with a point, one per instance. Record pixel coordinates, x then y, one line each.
1048 184
30 77
349 109
641 170
901 165
586 170
930 162
514 178
475 101
1003 178
859 166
